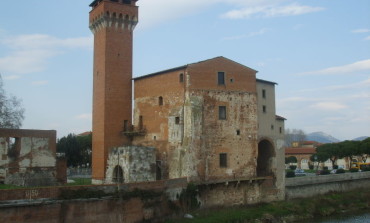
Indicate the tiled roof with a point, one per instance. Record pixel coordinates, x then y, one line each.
300 151
85 133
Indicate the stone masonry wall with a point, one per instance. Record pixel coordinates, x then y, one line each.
138 163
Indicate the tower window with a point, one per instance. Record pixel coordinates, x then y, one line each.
238 132
272 127
160 100
264 109
181 78
222 112
177 120
223 159
280 130
263 93
221 78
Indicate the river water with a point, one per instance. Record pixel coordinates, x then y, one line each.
360 218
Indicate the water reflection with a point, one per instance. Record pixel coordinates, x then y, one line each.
360 218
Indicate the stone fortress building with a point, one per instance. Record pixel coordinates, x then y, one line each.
211 121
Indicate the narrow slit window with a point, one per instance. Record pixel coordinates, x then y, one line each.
177 120
264 109
160 101
181 78
263 93
222 112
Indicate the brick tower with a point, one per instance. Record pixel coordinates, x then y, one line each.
112 22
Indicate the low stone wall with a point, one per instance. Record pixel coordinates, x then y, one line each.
302 187
38 205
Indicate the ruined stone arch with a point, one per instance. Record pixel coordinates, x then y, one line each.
118 174
266 153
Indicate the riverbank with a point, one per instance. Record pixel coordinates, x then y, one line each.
285 211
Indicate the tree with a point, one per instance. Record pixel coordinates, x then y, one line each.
77 149
11 110
294 135
290 159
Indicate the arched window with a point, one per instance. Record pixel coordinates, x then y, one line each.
160 100
118 174
181 78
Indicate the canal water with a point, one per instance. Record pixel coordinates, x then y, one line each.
358 218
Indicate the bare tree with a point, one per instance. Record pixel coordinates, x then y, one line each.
11 110
294 135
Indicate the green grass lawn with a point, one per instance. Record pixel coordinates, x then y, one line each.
6 186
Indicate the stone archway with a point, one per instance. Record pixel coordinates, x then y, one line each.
118 174
264 161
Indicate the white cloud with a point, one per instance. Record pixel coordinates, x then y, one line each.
271 11
349 68
12 77
30 53
39 83
155 12
361 31
251 34
87 116
328 106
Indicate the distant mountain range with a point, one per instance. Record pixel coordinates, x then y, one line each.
321 137
326 138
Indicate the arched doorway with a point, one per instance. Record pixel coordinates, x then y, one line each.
264 161
118 174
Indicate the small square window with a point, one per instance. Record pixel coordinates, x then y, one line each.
221 78
238 132
231 80
272 127
223 159
222 112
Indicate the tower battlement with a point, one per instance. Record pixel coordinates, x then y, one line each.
121 15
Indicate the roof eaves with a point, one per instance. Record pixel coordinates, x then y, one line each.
160 72
266 82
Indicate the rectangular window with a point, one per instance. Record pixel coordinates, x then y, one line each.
264 108
223 159
222 112
177 120
280 130
141 122
263 93
221 78
238 132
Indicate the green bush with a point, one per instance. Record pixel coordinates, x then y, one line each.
325 168
290 174
324 172
293 167
353 170
311 167
335 167
340 171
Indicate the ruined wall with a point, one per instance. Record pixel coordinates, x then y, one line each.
137 164
28 157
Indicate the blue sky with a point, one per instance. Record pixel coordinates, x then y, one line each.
317 51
